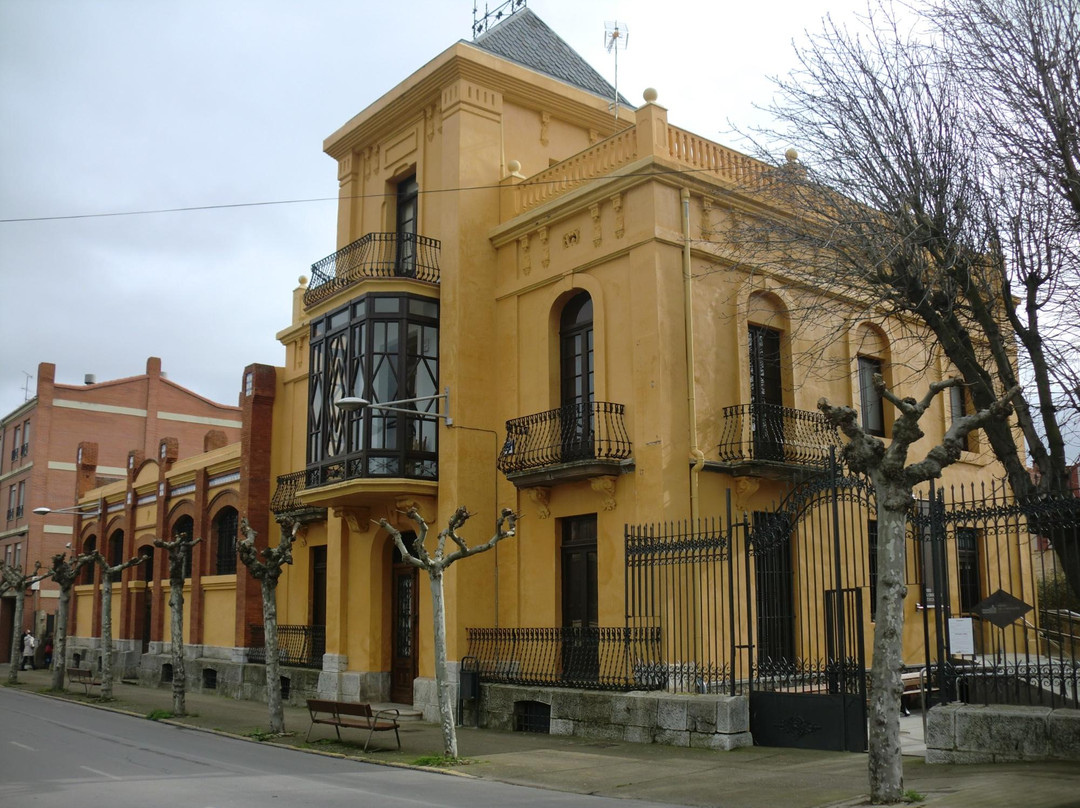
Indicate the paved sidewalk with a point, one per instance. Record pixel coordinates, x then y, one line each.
757 777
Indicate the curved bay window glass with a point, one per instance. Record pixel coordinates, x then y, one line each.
381 348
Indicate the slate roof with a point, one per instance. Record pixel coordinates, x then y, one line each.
525 39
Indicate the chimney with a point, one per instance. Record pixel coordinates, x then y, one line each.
89 378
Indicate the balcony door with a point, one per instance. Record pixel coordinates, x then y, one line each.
576 377
408 194
766 394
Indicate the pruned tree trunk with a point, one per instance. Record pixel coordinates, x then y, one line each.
15 580
435 565
107 574
267 573
64 573
270 639
63 606
894 482
885 761
442 680
178 550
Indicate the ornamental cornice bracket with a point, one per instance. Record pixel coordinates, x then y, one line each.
540 497
358 519
605 487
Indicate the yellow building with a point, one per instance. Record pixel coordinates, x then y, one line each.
535 304
555 285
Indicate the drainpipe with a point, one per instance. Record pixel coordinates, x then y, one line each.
696 455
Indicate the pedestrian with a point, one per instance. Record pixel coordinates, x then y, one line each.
29 645
48 651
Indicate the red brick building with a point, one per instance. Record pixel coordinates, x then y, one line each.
38 446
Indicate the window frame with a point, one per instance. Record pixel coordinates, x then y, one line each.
871 402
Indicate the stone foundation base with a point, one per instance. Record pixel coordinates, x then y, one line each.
700 721
969 733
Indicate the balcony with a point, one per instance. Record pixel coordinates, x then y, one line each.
286 502
572 442
376 255
767 440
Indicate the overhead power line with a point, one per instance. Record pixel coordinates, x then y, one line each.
269 203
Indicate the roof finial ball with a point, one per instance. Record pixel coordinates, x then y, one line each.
514 167
650 95
792 155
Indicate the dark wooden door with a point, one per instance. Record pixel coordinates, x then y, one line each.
766 394
579 601
774 580
404 611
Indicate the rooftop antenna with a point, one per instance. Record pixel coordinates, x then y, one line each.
616 37
494 16
26 385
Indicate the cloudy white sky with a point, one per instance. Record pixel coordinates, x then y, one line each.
111 106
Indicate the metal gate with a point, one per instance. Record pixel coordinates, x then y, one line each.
808 568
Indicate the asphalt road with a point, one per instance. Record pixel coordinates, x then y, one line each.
57 754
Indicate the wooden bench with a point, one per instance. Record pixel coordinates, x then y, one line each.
84 677
352 715
916 683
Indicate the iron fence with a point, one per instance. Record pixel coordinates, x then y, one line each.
298 646
783 601
375 255
770 432
593 430
997 564
680 584
596 658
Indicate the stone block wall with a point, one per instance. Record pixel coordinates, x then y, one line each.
701 721
969 733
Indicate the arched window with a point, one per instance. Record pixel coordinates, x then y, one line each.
225 527
576 376
146 573
116 548
872 352
185 526
89 546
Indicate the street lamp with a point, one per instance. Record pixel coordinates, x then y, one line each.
75 509
355 403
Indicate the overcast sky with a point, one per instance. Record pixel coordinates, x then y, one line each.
111 106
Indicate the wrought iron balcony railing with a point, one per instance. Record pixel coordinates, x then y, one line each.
593 430
288 485
298 646
775 434
376 255
588 657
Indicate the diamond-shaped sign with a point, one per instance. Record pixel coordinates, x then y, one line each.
1001 608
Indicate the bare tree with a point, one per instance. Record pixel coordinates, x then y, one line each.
108 575
940 188
179 550
18 581
65 573
267 572
436 564
894 481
